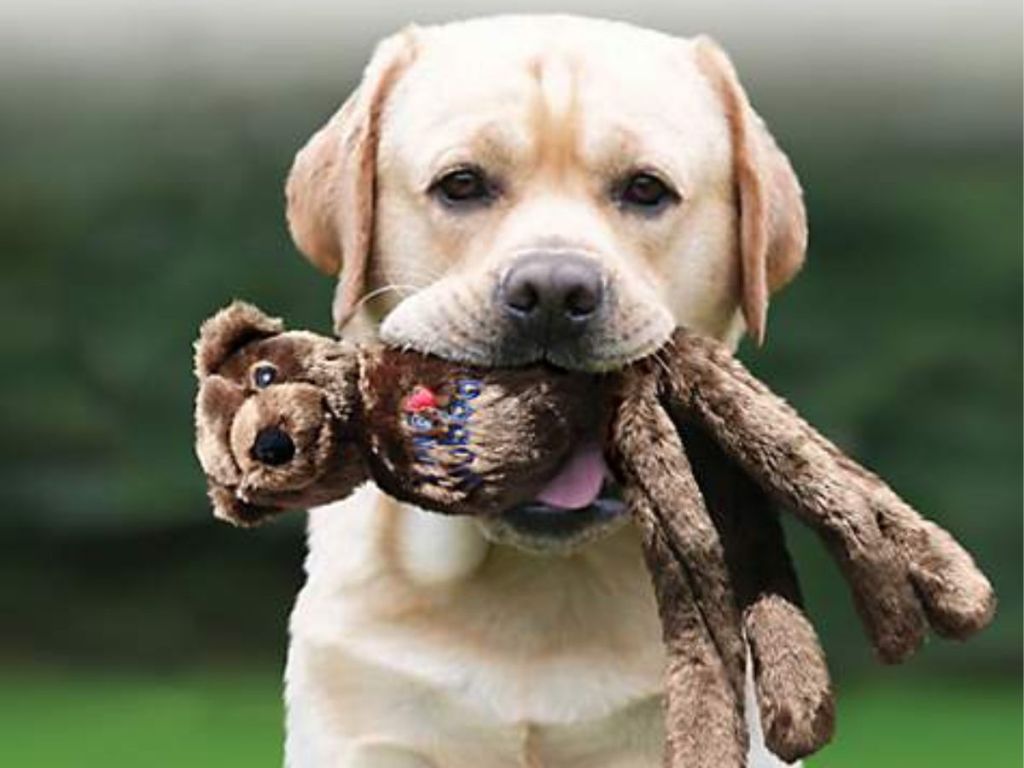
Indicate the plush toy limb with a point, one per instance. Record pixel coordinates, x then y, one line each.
649 454
791 679
792 684
956 595
704 725
700 623
893 559
765 437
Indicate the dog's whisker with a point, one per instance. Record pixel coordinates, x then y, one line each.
407 289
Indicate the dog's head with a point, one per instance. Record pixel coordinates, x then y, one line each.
264 431
556 189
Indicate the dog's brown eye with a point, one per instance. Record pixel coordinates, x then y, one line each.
646 192
463 185
263 375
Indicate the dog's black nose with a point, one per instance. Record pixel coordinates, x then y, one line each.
273 446
551 291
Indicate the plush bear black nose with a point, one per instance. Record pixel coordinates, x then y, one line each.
273 446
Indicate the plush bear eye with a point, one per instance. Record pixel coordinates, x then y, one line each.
263 375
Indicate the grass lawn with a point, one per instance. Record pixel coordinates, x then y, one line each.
220 720
921 724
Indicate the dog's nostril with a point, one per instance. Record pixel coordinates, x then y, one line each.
273 446
520 293
581 299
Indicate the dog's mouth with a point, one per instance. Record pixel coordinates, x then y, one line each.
581 495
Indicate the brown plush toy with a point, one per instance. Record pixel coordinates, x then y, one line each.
700 448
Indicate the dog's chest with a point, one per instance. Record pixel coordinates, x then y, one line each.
525 656
344 705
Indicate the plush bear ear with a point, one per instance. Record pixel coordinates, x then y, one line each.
228 331
773 222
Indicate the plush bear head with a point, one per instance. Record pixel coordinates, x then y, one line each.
273 415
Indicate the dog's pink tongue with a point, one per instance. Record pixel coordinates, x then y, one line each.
578 482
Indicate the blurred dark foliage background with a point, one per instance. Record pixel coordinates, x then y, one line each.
131 206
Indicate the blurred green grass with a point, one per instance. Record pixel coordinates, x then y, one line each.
85 720
82 721
926 724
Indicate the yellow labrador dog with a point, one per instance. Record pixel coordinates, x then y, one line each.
505 191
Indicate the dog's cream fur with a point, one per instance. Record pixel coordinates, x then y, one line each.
416 641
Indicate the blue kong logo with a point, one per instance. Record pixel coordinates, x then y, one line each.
441 431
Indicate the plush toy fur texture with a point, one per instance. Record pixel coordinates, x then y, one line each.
289 420
701 449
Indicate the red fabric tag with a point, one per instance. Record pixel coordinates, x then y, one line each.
421 399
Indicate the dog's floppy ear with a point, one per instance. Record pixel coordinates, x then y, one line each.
330 189
228 331
773 222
